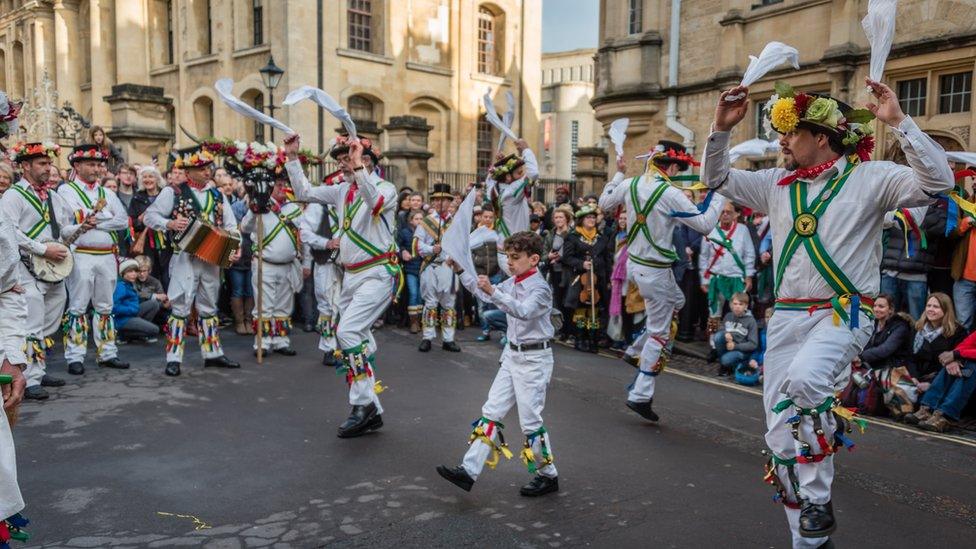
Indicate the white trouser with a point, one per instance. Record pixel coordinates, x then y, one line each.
521 381
13 323
192 280
438 286
807 361
278 286
328 286
662 297
364 297
45 306
91 281
11 500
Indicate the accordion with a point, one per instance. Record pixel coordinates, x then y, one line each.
207 243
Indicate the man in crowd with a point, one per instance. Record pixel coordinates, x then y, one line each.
438 284
727 263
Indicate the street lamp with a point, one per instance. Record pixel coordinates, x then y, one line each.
271 74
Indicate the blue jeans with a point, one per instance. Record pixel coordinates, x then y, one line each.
729 360
949 394
413 290
908 294
496 319
964 298
240 282
484 307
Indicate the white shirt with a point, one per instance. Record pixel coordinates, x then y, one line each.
850 228
309 224
482 235
660 222
528 304
373 221
113 216
511 196
15 209
159 213
725 265
281 248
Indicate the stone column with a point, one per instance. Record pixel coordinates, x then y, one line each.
43 43
591 171
406 137
139 120
103 54
69 60
131 45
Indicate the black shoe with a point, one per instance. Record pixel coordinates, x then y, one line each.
308 328
632 360
220 362
76 368
329 359
361 420
424 346
540 486
451 346
36 392
113 363
712 356
456 476
643 409
51 381
817 521
287 351
172 369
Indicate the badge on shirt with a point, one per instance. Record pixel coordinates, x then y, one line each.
805 224
346 223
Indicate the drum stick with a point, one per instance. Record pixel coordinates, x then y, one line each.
260 330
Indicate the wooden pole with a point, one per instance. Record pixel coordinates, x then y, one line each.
260 296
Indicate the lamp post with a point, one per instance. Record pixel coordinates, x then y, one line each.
271 75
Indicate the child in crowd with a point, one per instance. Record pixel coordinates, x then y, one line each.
132 320
152 295
737 338
526 368
751 373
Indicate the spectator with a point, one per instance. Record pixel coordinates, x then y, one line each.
146 241
239 273
133 319
115 159
558 276
750 373
562 199
535 225
111 183
891 342
737 337
415 201
175 176
128 175
935 333
727 262
6 177
695 311
963 271
905 264
56 177
587 252
484 252
411 267
150 288
944 401
539 210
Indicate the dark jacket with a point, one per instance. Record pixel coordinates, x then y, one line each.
920 262
404 238
149 288
889 347
925 361
575 252
745 333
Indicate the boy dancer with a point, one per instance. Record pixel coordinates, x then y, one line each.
526 367
437 282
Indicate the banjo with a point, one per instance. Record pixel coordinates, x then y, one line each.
52 271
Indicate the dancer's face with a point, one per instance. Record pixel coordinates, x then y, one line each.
520 262
802 149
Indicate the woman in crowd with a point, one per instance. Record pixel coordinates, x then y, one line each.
558 276
944 401
411 268
890 343
619 318
110 183
97 136
935 333
6 177
588 252
146 241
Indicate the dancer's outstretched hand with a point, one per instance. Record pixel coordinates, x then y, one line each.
730 113
887 109
291 146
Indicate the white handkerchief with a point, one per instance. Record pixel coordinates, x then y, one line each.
772 56
618 134
325 101
224 87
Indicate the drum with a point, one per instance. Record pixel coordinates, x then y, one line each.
208 243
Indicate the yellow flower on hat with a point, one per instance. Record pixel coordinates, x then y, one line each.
783 115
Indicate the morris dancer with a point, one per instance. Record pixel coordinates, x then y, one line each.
192 279
282 270
825 211
654 206
319 224
512 177
36 216
524 372
438 285
727 263
95 271
366 249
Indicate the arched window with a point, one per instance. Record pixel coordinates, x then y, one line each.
203 117
254 131
486 138
361 109
490 42
17 84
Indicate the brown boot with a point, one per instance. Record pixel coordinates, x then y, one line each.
237 307
248 315
923 414
937 423
414 323
192 323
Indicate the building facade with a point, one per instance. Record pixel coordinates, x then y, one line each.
144 68
673 95
568 122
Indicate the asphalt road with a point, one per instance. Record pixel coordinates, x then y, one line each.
249 458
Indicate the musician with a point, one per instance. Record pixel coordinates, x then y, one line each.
95 271
438 285
587 252
192 279
319 226
366 205
36 216
282 270
654 207
512 177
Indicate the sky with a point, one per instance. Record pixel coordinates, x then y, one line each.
569 24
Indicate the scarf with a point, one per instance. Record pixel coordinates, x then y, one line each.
927 333
589 235
808 174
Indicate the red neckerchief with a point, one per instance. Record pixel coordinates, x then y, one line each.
195 186
91 186
351 193
525 275
808 174
41 192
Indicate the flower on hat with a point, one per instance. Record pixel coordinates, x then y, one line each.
824 111
783 115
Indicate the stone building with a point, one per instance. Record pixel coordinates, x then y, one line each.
143 68
568 122
673 96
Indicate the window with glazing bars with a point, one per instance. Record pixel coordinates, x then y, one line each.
486 42
636 15
485 139
955 92
573 143
361 25
912 95
257 19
